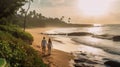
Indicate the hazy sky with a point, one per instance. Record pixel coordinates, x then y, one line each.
80 11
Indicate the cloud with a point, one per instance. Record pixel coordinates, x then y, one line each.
48 3
55 2
115 13
116 6
69 8
45 3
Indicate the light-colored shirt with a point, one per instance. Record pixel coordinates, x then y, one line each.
43 43
49 45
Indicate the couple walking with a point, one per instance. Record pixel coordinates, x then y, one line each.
45 44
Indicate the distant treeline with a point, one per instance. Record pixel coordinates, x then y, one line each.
35 19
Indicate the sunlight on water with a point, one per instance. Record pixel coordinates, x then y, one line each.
93 40
91 50
95 30
97 25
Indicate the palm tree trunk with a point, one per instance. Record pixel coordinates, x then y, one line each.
25 18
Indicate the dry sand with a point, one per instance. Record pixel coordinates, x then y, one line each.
57 58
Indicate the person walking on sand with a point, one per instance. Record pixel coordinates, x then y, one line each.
49 45
43 45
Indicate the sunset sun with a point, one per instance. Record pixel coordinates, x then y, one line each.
94 7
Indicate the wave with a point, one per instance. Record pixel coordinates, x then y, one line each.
109 47
102 36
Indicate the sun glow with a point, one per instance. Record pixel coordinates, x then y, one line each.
97 25
95 30
94 7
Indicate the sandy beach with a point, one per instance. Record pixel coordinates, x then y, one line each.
57 58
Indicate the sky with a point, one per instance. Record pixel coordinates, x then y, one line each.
80 11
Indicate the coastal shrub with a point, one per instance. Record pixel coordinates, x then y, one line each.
18 33
3 63
15 49
34 58
12 53
18 55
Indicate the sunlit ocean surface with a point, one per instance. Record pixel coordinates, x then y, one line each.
104 47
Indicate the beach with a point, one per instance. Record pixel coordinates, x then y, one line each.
79 46
57 58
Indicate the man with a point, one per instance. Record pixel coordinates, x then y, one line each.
43 45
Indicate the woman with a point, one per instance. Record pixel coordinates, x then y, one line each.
49 46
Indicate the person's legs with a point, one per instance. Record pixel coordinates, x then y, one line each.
49 50
43 50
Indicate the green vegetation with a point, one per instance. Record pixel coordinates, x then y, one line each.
15 43
16 50
17 32
8 8
2 62
35 19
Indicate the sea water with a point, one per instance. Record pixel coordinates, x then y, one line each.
102 48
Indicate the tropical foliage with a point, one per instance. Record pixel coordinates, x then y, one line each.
15 43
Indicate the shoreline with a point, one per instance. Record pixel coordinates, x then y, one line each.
62 56
86 56
57 56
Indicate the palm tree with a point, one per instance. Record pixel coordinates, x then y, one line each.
22 12
39 15
69 20
34 13
62 18
26 14
30 14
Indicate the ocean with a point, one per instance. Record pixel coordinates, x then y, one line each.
103 48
